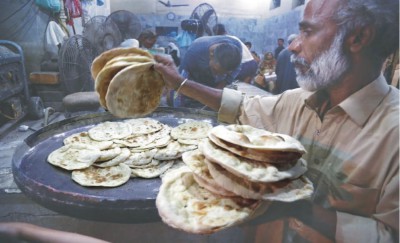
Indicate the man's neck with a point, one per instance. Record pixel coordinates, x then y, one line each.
353 80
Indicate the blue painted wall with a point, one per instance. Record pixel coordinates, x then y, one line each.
263 33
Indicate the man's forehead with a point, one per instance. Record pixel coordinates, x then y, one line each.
320 10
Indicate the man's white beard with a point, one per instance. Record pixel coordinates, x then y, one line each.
325 70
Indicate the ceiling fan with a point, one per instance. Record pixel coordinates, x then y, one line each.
168 4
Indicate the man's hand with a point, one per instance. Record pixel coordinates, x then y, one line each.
166 67
316 217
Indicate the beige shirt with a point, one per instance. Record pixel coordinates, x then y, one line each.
352 154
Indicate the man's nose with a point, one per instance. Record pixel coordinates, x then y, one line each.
295 46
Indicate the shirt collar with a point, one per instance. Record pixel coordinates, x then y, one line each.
360 105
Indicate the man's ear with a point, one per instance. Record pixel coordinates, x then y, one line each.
360 38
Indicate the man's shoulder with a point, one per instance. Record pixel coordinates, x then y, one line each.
298 94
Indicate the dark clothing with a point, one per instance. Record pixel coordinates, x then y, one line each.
277 51
196 66
196 62
174 55
285 73
248 69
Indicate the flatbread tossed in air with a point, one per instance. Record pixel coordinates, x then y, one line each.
191 130
129 59
285 191
184 205
83 137
106 75
252 170
134 91
100 61
106 177
74 156
107 131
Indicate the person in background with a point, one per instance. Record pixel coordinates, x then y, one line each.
147 39
279 48
266 67
213 61
285 72
248 67
174 52
248 44
256 57
344 113
219 29
129 43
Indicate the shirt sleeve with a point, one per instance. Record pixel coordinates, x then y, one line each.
353 228
230 105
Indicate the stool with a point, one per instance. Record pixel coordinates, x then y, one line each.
81 102
48 87
44 77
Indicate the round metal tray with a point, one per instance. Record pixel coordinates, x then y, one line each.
53 188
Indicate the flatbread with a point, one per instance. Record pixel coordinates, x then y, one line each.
84 138
184 205
135 91
191 130
285 191
109 154
104 78
100 61
144 125
74 156
189 141
195 161
260 155
257 139
173 150
105 177
140 158
252 170
158 143
107 131
136 141
129 59
123 156
154 171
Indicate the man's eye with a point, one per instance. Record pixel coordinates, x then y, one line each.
305 32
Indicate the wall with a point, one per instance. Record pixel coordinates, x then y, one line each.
253 20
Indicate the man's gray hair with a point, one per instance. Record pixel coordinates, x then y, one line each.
291 38
383 15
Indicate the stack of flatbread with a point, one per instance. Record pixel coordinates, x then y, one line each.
231 177
110 153
127 84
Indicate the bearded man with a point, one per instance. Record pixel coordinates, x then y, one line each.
344 113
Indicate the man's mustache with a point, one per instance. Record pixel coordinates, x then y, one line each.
299 61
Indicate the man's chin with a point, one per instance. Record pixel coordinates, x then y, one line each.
307 84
